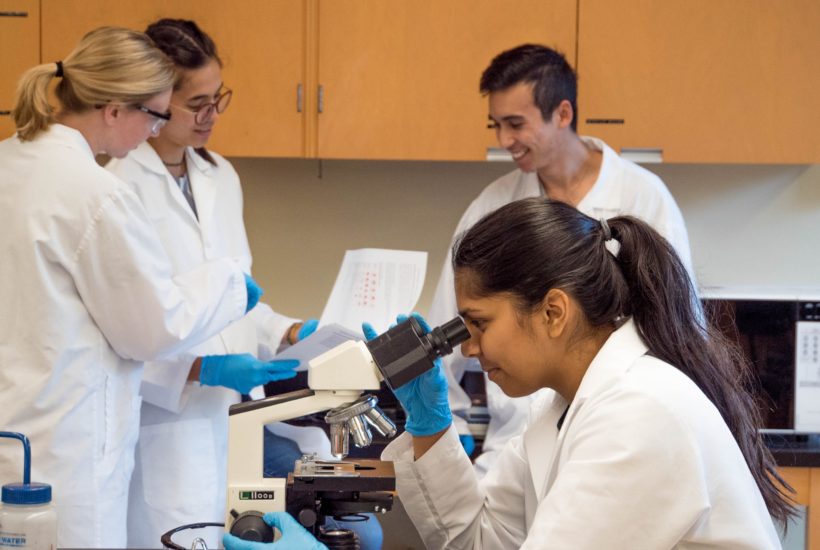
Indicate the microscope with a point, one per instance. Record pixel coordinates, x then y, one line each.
337 382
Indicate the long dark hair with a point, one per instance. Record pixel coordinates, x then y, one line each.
189 47
530 246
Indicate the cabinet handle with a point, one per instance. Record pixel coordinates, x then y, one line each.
13 14
299 98
321 102
5 113
605 121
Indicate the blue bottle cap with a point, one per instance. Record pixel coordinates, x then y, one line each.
26 493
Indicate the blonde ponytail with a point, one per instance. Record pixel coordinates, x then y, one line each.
32 112
110 64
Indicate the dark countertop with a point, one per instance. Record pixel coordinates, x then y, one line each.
793 450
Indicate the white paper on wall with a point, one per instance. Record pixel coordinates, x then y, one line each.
807 377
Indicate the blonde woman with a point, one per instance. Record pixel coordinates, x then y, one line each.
87 291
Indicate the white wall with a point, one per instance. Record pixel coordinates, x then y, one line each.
748 225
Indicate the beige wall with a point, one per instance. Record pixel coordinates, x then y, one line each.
748 225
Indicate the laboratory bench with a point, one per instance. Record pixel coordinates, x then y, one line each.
794 451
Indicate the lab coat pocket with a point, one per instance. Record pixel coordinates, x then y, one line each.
178 465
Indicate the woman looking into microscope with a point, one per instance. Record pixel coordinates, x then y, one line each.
648 437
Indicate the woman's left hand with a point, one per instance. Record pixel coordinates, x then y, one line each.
425 397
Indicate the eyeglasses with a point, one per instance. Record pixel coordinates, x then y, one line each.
206 110
160 119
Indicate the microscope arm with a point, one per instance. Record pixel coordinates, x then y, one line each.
336 380
247 420
336 377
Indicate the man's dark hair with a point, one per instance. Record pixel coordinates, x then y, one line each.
548 70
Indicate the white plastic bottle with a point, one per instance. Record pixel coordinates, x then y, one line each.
27 517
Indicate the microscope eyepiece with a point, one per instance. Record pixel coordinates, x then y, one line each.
444 338
405 351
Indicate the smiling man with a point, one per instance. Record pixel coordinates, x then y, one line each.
532 93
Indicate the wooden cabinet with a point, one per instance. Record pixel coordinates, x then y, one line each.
378 79
704 80
19 50
806 482
262 46
731 81
400 79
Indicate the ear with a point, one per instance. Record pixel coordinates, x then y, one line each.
555 312
111 113
563 115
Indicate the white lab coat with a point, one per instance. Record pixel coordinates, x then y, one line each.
88 294
643 460
181 455
622 188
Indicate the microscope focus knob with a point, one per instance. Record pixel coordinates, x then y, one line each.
307 517
250 526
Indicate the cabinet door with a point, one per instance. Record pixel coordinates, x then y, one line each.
19 51
400 79
704 80
262 46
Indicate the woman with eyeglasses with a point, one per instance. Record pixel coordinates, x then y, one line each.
87 291
194 198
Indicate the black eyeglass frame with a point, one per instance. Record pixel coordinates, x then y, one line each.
163 116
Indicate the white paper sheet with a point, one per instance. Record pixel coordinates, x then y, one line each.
375 285
324 339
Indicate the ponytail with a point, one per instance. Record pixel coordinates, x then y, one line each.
32 112
664 305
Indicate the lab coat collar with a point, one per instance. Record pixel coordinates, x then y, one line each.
198 163
204 186
617 354
60 133
541 437
200 173
588 202
147 157
543 440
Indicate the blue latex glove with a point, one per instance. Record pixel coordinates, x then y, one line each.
243 372
294 536
468 442
308 328
254 292
425 397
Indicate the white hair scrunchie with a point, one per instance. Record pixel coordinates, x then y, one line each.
610 243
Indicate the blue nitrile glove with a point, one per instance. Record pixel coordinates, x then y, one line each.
468 442
308 328
243 372
254 292
425 397
294 536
